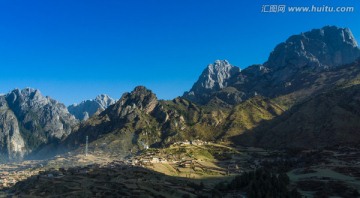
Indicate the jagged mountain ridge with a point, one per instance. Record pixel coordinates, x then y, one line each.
290 66
28 120
139 120
87 108
228 101
225 102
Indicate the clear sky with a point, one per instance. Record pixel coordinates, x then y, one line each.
73 50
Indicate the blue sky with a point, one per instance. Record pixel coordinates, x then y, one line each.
74 50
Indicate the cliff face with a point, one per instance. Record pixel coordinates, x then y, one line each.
310 53
29 120
11 142
322 48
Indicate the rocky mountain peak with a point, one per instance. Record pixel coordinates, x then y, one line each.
104 99
140 98
141 91
24 93
27 92
322 48
213 78
29 98
87 108
216 74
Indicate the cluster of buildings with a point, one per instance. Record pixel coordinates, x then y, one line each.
148 159
190 142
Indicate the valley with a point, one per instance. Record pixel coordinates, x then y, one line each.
180 170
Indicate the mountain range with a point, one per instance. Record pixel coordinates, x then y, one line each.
289 68
306 95
87 108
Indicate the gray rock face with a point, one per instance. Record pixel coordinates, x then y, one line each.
12 145
322 48
308 54
87 108
214 78
29 120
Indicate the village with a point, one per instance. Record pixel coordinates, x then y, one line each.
189 161
177 160
192 159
